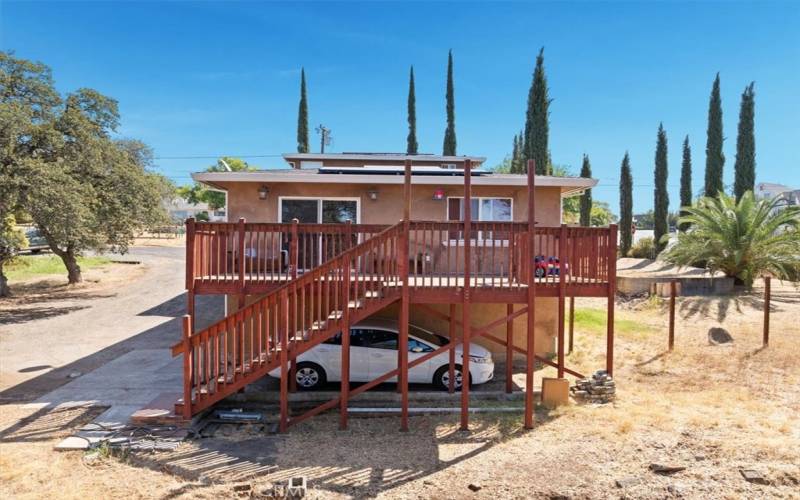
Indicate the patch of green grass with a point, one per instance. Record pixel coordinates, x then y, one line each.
26 267
594 321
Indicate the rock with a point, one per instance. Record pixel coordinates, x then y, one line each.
675 490
74 374
753 476
627 482
718 336
474 487
699 458
242 487
666 469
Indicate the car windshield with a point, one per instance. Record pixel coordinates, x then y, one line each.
428 337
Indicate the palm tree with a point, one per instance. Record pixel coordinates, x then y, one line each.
744 239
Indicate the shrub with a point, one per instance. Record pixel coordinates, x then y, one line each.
645 248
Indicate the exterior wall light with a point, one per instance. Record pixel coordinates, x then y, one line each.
373 194
438 194
263 191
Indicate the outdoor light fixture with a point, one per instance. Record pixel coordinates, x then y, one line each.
438 194
263 191
373 194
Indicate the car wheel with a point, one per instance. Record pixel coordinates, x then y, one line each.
441 378
310 376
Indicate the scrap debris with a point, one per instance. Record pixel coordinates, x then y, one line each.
600 388
95 435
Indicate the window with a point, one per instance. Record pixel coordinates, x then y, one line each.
381 339
483 209
415 345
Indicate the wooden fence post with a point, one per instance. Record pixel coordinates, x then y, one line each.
673 285
767 291
187 367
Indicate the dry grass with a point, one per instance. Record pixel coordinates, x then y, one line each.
713 409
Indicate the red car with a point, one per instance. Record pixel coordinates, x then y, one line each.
546 266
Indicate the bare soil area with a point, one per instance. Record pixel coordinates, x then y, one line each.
713 409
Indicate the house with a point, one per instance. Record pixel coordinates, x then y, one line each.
351 228
179 210
788 196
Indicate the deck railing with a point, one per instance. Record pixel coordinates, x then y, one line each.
500 253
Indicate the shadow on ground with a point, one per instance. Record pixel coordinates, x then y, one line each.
162 336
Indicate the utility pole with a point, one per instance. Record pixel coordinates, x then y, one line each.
325 137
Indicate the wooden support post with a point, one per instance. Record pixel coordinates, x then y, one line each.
293 252
562 290
190 267
571 323
612 292
187 367
402 348
767 293
242 259
530 354
344 391
509 348
465 308
348 234
294 265
452 352
283 325
673 285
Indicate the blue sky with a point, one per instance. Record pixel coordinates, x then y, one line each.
207 79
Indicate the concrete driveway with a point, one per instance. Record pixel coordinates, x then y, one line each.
107 349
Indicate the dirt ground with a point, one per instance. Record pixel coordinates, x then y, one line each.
712 409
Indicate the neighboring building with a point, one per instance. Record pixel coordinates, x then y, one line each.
180 210
789 196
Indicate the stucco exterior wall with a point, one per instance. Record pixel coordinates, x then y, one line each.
388 208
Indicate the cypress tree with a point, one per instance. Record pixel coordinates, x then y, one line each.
625 206
661 197
537 127
586 197
715 159
745 165
412 146
302 116
449 148
686 180
515 155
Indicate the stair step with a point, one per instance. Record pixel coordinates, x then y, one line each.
335 315
355 304
373 294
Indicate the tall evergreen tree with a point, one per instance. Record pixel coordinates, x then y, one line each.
537 120
661 196
412 146
715 159
449 148
586 197
625 206
515 155
745 165
302 116
686 181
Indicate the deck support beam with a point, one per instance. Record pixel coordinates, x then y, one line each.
509 348
402 348
283 301
452 353
571 323
612 292
465 311
563 264
344 391
531 333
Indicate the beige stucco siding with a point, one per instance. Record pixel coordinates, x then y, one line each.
243 200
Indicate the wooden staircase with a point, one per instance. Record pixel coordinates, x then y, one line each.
264 335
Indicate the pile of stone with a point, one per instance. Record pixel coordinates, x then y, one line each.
600 388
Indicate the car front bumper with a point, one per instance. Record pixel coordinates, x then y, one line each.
481 372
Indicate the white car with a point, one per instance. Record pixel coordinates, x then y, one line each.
373 352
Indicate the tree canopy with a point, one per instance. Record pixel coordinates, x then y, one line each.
745 164
83 188
660 193
199 193
686 178
411 141
743 239
449 147
715 159
302 116
625 206
537 120
586 197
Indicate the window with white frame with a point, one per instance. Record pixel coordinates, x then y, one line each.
484 209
